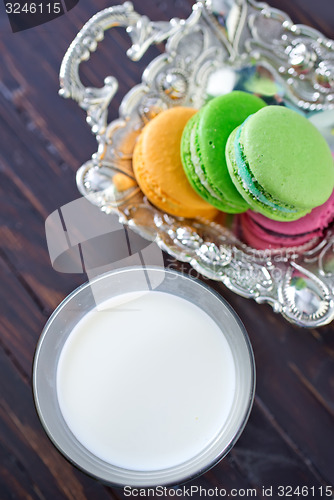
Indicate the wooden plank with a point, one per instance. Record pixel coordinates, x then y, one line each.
267 459
23 246
319 15
279 348
44 114
20 321
14 482
26 159
324 336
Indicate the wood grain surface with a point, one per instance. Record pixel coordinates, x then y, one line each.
289 438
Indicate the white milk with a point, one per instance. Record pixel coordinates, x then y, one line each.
146 383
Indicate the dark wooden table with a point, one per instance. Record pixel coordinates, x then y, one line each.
43 140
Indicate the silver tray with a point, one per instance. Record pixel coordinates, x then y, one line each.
223 45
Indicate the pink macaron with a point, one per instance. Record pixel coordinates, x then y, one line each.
261 233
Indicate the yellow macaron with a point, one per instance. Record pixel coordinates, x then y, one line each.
158 168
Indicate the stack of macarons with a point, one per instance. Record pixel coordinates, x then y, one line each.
261 233
238 155
280 164
203 148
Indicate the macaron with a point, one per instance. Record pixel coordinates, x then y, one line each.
203 148
280 163
260 232
158 169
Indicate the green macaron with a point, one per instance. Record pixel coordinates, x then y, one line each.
203 148
280 163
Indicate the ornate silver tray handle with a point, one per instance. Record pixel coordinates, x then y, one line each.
222 46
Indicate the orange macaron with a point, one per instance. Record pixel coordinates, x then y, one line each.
158 168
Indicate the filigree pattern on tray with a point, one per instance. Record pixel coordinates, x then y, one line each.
221 46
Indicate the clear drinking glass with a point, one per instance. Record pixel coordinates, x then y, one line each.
84 299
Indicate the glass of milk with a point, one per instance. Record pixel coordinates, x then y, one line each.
144 377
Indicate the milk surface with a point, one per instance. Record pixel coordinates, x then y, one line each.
147 382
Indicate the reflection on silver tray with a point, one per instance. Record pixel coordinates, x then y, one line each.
223 45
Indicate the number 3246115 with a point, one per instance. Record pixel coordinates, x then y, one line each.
33 8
